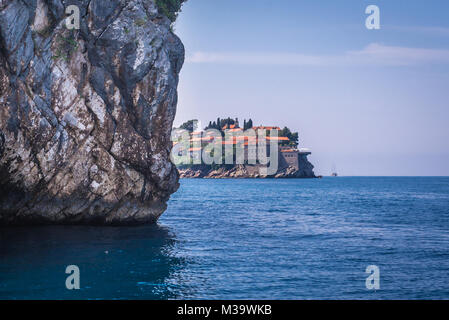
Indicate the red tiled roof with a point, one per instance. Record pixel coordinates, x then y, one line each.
278 138
266 128
232 126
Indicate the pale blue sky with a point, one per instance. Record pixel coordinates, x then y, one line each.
374 102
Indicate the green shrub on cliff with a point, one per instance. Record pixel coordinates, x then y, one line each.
170 8
66 45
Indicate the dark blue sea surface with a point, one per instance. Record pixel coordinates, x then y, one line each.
250 239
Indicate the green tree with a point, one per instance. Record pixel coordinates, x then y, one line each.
191 125
249 124
293 136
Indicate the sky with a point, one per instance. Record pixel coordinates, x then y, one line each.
369 102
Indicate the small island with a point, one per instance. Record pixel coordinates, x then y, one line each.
236 151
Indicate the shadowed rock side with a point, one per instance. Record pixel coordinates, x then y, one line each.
86 115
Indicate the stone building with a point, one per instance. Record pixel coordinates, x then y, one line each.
291 157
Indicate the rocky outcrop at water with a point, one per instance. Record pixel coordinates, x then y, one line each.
305 169
248 171
86 115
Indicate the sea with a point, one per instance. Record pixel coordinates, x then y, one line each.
330 238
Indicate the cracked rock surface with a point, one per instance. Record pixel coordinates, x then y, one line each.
86 115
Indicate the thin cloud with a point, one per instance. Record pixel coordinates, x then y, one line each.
436 31
399 56
373 54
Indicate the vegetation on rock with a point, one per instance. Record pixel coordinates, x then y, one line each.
170 8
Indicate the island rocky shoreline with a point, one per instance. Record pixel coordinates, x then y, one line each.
304 171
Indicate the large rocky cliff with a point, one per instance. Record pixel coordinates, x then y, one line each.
86 114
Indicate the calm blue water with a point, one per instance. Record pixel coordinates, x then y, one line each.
250 239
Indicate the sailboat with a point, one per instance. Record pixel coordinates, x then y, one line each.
334 171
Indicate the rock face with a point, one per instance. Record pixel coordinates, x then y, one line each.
305 169
86 115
